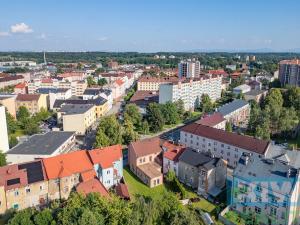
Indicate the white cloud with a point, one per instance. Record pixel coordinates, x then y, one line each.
103 39
42 36
21 28
4 34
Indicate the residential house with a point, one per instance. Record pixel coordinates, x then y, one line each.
7 80
171 154
21 88
108 164
241 89
236 112
54 94
33 102
22 186
226 145
42 146
145 162
77 117
150 83
202 172
256 95
143 98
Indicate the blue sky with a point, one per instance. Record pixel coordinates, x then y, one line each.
149 25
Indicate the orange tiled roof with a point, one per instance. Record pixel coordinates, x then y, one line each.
88 175
106 156
92 186
172 151
21 85
67 164
119 82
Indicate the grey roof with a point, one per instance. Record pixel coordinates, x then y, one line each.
255 92
232 106
70 109
75 100
92 91
51 90
267 172
42 144
192 157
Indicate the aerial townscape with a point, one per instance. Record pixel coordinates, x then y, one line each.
137 128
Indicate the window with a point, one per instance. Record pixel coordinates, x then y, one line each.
15 206
273 211
157 181
203 139
141 160
258 188
258 198
27 190
41 187
144 160
215 143
16 193
257 210
228 153
222 145
236 149
150 158
228 147
108 172
209 144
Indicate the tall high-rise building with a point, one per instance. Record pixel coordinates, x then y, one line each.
189 68
289 72
4 147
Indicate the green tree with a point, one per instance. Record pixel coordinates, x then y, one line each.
206 104
144 129
262 131
2 159
129 134
255 113
30 126
44 217
22 113
23 217
90 81
228 127
180 108
12 124
288 119
133 114
170 113
13 141
102 81
112 129
101 139
42 115
155 117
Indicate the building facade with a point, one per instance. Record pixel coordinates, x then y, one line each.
33 102
189 68
190 91
289 72
4 146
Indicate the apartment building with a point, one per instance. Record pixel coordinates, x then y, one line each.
77 117
108 164
190 91
149 83
40 146
289 72
202 172
145 160
266 188
189 68
9 101
73 76
20 88
236 112
3 131
33 102
55 94
10 80
222 144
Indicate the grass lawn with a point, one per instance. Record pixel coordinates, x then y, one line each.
18 133
235 218
136 187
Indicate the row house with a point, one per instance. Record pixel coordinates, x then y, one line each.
236 112
36 183
225 145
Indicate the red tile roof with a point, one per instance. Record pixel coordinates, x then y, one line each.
106 156
217 72
173 151
92 186
119 82
47 80
28 97
211 120
12 77
241 141
65 165
146 146
122 191
158 79
88 175
21 85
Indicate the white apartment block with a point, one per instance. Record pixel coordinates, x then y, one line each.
149 83
3 131
267 189
190 91
222 144
189 68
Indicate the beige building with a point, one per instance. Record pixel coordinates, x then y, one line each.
149 83
33 102
77 117
9 101
145 161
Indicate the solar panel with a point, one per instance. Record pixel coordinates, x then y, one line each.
13 181
34 171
